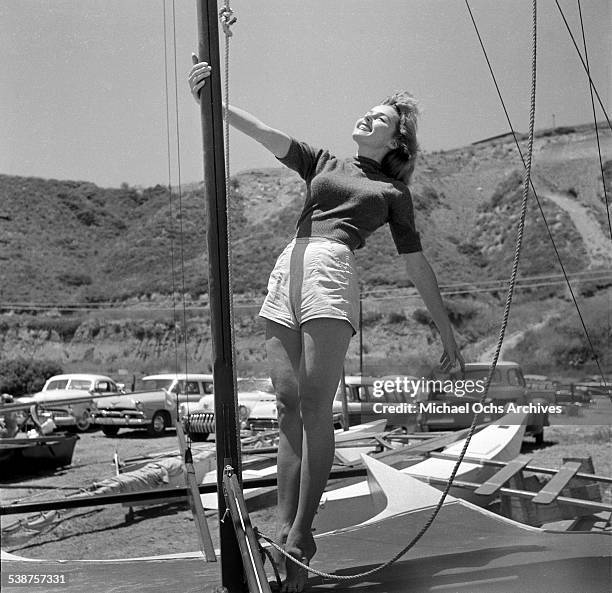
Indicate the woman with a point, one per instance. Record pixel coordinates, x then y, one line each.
311 309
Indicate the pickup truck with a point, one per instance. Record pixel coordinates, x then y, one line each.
153 408
507 386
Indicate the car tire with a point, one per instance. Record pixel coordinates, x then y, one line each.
158 425
422 426
84 422
110 431
199 437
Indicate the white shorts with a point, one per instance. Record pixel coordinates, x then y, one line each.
313 278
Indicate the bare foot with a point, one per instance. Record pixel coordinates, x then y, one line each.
302 549
282 531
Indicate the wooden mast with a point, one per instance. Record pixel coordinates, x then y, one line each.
227 444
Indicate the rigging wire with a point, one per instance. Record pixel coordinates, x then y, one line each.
169 159
592 84
571 290
180 187
180 205
601 167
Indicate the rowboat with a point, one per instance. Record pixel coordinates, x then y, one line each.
27 455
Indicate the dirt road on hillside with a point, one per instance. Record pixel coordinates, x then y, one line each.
510 341
597 243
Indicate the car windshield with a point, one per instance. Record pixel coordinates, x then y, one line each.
264 385
156 384
79 384
58 384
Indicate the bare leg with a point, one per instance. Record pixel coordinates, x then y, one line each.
284 352
324 346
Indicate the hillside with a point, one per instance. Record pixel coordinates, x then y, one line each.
68 243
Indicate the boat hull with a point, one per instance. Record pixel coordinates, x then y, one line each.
19 456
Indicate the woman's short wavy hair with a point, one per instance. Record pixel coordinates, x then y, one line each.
399 162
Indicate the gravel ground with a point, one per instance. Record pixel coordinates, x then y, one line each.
105 532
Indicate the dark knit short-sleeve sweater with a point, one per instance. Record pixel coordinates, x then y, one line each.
348 199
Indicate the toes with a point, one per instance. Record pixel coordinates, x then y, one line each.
296 575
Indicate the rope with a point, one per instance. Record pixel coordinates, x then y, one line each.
268 555
502 331
227 19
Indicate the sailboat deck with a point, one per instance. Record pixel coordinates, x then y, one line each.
466 549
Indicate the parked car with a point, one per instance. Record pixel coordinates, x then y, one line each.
155 406
68 399
507 386
361 401
365 396
595 386
256 397
573 394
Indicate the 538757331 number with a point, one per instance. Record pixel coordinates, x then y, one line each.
34 579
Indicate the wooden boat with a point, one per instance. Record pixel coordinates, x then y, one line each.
27 455
493 555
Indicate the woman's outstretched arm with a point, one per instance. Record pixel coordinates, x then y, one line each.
274 140
424 278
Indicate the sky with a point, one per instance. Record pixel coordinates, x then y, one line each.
83 93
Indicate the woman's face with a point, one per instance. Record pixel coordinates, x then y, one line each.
377 128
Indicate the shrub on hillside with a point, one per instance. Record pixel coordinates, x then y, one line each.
65 327
396 317
422 316
371 318
21 376
87 217
512 183
460 311
74 278
562 342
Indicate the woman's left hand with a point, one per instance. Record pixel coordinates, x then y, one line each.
451 356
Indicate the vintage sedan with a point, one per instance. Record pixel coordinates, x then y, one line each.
155 407
255 398
68 399
361 406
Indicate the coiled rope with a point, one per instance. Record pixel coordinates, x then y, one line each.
502 331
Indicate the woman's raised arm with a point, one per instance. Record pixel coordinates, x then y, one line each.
275 141
424 279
